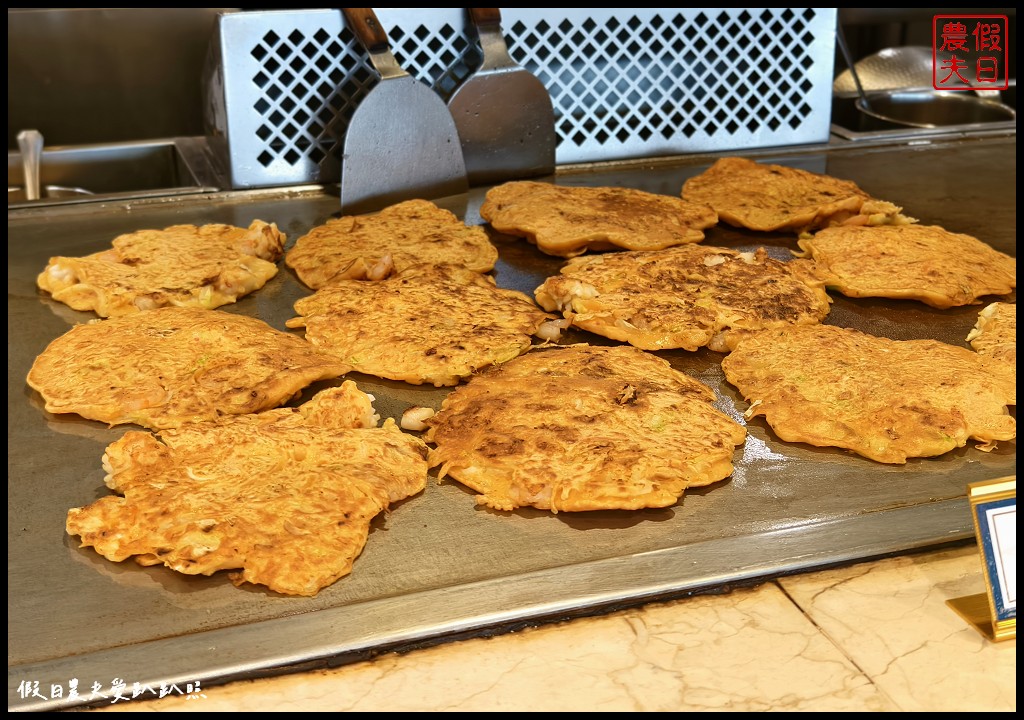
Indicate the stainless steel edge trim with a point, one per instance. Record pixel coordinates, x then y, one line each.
223 655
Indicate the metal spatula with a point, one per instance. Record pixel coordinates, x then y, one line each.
503 112
401 143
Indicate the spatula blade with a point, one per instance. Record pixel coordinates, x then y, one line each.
401 144
506 123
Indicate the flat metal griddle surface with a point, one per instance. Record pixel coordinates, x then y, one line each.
439 566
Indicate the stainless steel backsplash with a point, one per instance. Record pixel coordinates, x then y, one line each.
626 83
272 91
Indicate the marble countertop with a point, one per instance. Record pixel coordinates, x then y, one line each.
870 636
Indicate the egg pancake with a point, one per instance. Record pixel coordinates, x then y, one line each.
428 324
995 333
170 366
910 262
568 221
371 247
887 400
580 427
204 266
282 499
761 196
687 297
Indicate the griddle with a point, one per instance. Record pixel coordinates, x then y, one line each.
438 567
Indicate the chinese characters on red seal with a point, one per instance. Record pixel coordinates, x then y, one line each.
969 52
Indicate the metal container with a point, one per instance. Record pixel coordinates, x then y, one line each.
923 114
115 171
625 82
933 109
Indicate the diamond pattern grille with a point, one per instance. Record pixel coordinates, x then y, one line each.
665 81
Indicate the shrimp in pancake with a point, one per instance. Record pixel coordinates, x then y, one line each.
684 297
166 367
579 427
568 221
371 247
434 324
282 499
995 333
887 400
910 262
765 197
203 266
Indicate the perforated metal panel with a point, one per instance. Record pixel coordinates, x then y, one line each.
281 86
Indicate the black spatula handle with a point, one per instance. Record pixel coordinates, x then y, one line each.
482 17
366 27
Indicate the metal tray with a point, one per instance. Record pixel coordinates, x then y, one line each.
439 567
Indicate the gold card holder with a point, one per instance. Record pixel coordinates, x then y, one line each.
994 509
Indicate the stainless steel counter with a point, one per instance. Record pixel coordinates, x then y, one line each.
437 566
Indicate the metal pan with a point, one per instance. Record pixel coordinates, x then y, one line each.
927 109
438 566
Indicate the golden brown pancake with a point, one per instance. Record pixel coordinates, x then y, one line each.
371 247
910 262
203 266
428 324
579 427
685 297
568 221
170 366
995 333
284 498
766 197
887 400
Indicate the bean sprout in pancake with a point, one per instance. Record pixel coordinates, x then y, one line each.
887 400
203 266
580 427
371 247
766 197
165 367
910 262
428 324
568 221
282 499
685 297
